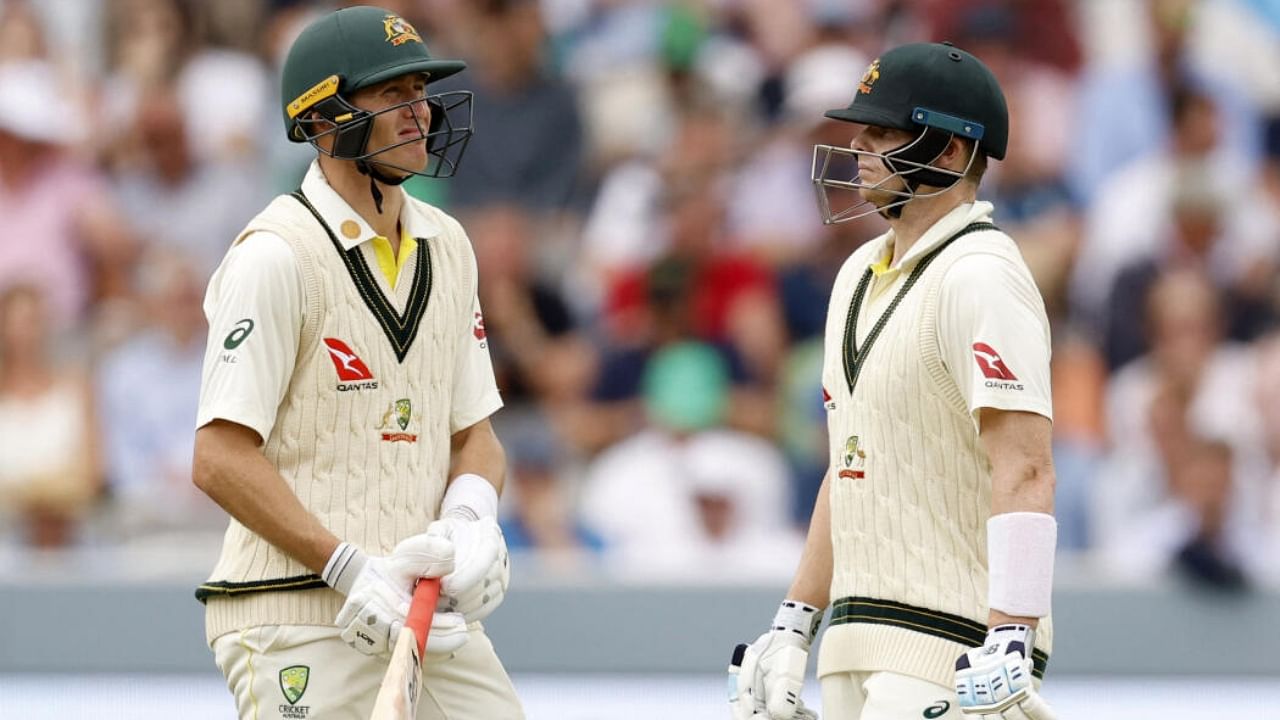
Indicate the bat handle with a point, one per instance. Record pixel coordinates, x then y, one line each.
421 611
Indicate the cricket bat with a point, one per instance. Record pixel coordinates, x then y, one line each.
398 696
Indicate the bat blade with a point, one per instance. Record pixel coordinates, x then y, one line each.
398 696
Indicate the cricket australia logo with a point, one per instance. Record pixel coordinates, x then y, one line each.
402 412
399 31
293 683
854 460
870 77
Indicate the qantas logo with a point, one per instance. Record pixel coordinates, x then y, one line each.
827 402
990 363
993 368
352 371
478 329
349 365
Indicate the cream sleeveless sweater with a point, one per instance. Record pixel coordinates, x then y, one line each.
368 457
910 485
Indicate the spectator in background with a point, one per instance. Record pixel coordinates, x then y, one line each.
538 352
533 150
147 393
1131 217
1123 102
1180 489
57 227
770 199
540 508
1267 402
1196 243
706 290
173 198
688 497
49 474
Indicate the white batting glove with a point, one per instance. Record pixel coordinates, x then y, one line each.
766 677
379 590
482 567
993 682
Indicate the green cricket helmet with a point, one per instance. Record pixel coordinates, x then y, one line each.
354 48
933 90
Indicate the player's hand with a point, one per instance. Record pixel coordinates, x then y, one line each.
379 590
482 567
766 677
993 682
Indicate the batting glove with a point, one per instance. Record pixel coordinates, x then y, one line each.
993 682
379 590
766 677
482 567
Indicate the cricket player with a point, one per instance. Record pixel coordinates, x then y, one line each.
343 420
932 539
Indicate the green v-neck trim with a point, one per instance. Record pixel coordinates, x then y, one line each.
855 357
400 329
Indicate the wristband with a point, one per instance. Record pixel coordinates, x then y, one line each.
470 497
1020 547
799 618
344 567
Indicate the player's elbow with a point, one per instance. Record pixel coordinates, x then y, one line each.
216 447
205 469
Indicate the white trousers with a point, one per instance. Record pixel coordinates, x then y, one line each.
885 696
304 672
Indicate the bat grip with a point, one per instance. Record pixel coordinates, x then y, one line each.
422 610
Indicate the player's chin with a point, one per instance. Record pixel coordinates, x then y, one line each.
411 156
877 197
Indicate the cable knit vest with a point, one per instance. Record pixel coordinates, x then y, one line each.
910 485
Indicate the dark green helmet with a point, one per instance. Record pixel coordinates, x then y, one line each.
934 92
354 48
932 85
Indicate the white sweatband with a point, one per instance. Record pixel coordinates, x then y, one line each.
800 618
343 567
470 497
1020 547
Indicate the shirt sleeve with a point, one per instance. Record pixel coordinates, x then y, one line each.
994 335
475 390
254 305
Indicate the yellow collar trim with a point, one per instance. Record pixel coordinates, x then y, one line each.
881 266
391 265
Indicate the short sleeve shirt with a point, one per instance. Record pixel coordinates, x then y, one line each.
994 335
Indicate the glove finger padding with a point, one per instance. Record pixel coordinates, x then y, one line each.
448 634
478 544
783 680
478 602
423 555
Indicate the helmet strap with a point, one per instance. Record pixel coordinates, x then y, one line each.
377 176
924 150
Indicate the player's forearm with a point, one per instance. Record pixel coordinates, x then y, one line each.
1021 532
231 470
476 450
812 583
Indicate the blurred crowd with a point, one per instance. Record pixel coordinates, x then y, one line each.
654 273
